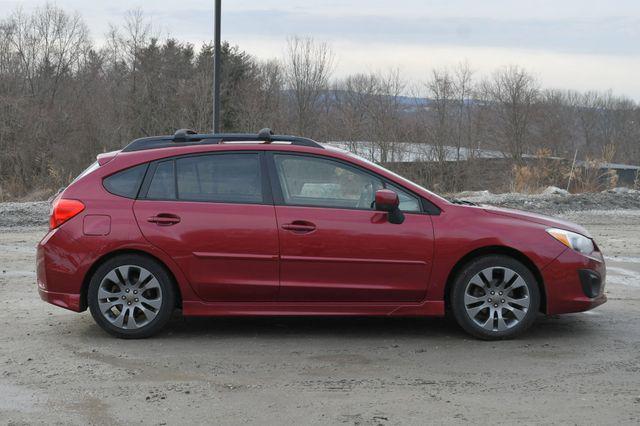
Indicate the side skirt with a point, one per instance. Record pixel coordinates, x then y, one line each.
204 309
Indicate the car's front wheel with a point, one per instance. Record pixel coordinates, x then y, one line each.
131 296
495 297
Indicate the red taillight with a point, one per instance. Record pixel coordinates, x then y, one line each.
62 210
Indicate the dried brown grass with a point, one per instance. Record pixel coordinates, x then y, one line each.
592 176
544 172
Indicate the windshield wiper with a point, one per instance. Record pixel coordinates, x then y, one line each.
463 202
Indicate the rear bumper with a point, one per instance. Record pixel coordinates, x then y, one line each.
64 300
59 273
566 289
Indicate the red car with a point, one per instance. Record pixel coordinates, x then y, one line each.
230 224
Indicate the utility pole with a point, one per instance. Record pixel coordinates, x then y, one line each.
216 70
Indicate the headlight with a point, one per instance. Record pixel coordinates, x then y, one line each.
574 241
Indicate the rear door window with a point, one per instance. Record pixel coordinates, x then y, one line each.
226 178
127 182
163 183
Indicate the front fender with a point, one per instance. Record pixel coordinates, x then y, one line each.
462 230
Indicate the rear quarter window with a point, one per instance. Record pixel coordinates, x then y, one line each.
126 183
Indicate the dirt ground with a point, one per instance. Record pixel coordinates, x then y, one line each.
59 367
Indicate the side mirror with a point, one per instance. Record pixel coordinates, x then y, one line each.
388 201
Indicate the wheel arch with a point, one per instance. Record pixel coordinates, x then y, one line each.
111 255
495 250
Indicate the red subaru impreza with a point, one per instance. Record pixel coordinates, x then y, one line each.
232 224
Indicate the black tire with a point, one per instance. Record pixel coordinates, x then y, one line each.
165 284
470 271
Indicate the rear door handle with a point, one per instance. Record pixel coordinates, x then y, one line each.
164 219
299 227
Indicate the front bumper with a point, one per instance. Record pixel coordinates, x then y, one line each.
565 289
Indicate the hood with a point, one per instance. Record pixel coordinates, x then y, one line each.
549 221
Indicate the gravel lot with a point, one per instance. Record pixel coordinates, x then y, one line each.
58 367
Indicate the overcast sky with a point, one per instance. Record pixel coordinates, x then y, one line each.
570 44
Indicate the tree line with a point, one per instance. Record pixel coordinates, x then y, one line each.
64 99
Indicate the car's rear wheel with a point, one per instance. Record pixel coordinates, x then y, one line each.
495 297
131 296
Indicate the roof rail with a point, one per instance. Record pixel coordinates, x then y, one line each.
181 135
189 137
266 135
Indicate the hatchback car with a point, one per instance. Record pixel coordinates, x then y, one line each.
231 224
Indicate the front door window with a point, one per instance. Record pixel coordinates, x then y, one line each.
312 181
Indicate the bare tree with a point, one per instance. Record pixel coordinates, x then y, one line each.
587 107
74 100
264 99
369 108
555 119
137 31
464 91
441 92
353 97
513 93
386 110
49 45
447 123
308 68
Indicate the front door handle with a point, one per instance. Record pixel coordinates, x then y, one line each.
164 219
299 227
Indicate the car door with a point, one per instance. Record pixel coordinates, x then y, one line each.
213 214
334 246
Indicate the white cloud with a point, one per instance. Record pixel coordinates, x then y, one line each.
581 72
575 44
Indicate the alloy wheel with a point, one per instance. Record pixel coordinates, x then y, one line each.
129 297
497 299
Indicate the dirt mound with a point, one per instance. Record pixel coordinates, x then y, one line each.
35 213
558 201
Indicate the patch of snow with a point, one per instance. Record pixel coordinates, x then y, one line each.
623 276
555 200
622 190
554 190
623 259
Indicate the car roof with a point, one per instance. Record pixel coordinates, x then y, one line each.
186 137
